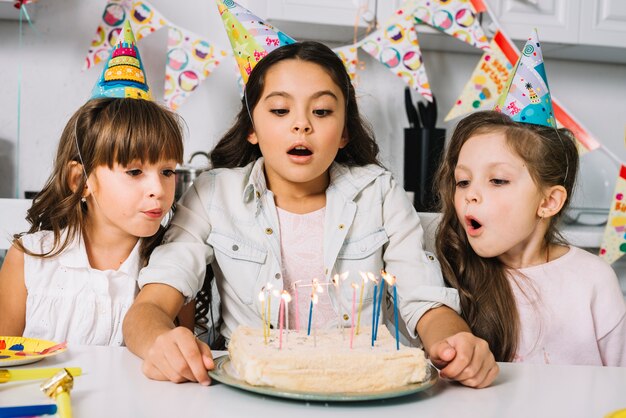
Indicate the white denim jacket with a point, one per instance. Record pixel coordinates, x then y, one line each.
228 219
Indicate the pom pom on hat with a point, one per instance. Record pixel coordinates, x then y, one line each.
123 75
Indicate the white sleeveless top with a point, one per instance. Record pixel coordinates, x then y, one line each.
70 301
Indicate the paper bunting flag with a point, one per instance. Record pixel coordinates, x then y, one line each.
485 84
144 19
349 57
396 46
250 37
123 75
526 98
113 17
457 18
614 242
190 59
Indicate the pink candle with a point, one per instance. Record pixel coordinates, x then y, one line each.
354 287
281 314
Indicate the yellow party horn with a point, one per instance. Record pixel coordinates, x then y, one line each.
8 375
58 387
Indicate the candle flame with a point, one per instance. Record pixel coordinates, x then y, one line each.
389 278
261 296
354 285
286 296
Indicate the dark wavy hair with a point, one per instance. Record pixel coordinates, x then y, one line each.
234 150
107 131
487 300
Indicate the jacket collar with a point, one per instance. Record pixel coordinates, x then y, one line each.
349 181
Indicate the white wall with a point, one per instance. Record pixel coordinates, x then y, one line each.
53 87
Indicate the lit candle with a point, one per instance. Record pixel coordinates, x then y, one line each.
281 314
378 310
262 299
374 310
365 276
297 309
354 287
314 286
286 298
391 279
268 317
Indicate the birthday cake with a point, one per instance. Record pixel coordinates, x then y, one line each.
325 362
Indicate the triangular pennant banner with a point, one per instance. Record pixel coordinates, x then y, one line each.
190 59
457 18
349 57
485 84
614 242
396 46
144 20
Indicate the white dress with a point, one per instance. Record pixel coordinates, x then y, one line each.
70 301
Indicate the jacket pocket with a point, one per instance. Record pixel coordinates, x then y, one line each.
239 262
363 247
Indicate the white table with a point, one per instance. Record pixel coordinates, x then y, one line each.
113 386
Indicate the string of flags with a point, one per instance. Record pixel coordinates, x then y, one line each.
191 59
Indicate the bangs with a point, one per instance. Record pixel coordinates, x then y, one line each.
137 130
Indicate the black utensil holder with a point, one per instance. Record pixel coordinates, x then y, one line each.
423 151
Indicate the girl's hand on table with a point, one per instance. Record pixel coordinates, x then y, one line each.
465 358
178 356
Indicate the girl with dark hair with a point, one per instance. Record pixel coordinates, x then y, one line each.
73 275
503 186
297 193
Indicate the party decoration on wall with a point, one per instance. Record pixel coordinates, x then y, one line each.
456 18
123 76
485 85
526 97
349 57
250 37
190 60
113 17
614 241
396 46
145 19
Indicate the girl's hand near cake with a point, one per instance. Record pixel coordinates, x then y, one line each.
454 350
168 352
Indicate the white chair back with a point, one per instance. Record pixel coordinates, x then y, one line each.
12 219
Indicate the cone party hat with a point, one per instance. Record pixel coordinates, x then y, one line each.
250 37
123 74
526 98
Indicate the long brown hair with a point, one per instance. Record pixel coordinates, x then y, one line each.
106 131
487 301
234 150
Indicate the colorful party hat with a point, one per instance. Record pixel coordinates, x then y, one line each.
250 37
123 75
526 98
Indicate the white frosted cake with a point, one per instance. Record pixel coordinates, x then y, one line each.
325 363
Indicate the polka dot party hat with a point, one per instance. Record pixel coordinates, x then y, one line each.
526 98
123 75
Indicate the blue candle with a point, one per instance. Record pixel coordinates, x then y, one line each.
374 313
380 300
310 317
395 315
